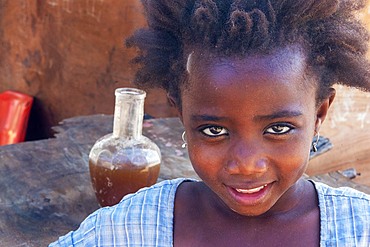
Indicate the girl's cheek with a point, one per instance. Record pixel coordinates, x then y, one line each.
203 157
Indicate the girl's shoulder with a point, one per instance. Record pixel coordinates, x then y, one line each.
140 207
326 192
144 218
159 194
344 216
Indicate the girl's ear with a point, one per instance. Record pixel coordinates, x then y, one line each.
323 109
173 103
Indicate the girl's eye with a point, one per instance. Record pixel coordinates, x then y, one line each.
279 129
214 131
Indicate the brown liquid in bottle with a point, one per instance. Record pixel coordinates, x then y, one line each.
125 160
111 185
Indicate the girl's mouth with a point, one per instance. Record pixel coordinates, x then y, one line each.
250 196
251 191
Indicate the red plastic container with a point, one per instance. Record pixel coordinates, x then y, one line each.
14 113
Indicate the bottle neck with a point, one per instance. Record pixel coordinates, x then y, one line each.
128 113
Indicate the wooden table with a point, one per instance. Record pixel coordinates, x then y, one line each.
45 185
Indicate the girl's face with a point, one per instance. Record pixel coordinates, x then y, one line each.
249 127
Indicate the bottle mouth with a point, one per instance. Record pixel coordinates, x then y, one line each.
130 92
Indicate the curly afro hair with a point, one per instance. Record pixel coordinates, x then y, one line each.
334 41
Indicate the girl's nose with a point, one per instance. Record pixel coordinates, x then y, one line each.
246 158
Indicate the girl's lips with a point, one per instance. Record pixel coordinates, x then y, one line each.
249 196
251 191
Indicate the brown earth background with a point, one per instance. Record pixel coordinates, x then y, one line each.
69 55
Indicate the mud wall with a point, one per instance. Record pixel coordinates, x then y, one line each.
69 55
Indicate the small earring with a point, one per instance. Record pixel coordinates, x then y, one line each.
315 143
184 140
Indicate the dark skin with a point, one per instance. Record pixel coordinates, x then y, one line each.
249 127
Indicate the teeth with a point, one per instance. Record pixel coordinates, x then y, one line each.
250 191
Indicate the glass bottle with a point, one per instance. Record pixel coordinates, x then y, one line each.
124 161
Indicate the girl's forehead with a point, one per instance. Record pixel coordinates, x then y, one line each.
279 59
278 64
256 84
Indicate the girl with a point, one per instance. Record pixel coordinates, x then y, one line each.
252 83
